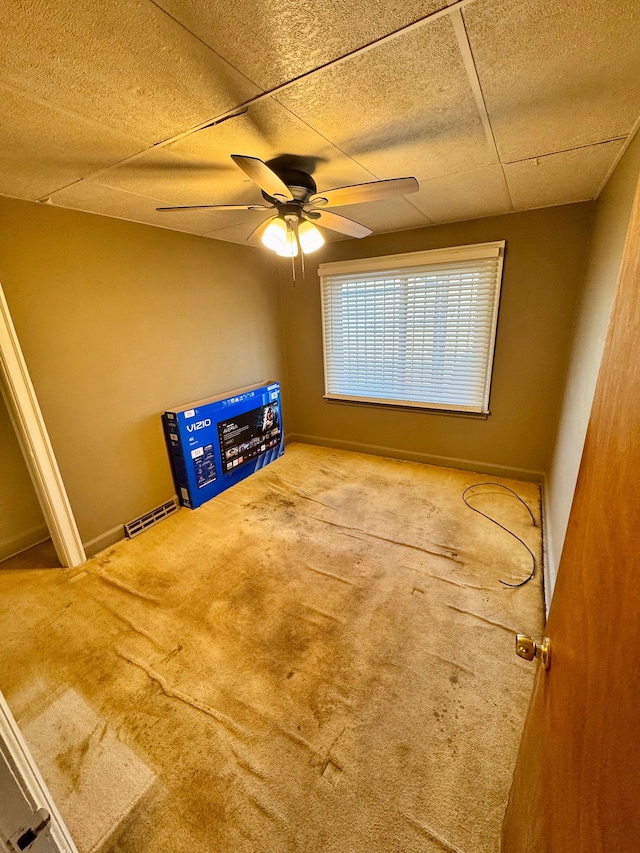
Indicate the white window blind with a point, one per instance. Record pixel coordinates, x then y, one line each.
415 329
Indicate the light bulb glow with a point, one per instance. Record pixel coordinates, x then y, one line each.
310 238
290 248
275 235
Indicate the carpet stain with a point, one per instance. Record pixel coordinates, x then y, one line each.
281 670
292 488
130 624
455 664
447 556
191 701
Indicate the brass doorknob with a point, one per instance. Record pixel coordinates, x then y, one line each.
527 648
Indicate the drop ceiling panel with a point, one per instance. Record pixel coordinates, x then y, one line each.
395 214
122 205
161 174
465 195
85 85
240 231
281 40
268 130
402 109
124 63
556 75
560 178
43 149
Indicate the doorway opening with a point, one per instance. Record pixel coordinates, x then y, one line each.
31 432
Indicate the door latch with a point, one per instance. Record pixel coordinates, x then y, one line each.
26 835
528 649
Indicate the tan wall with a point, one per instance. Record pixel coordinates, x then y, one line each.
21 520
120 321
543 274
612 216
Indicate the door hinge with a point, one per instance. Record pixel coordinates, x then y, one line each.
26 835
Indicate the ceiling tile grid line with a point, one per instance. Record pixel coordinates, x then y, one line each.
230 113
472 74
95 176
375 177
41 149
511 106
68 119
405 109
326 138
426 216
123 62
65 111
460 30
121 218
122 204
287 39
360 51
566 150
632 135
138 156
571 176
556 75
160 201
205 44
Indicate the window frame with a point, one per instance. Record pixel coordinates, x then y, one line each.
476 251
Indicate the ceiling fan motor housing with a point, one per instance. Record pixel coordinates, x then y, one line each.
301 185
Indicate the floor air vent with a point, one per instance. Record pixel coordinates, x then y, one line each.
138 525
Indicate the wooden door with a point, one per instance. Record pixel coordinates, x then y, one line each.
576 787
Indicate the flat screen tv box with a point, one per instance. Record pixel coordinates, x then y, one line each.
217 442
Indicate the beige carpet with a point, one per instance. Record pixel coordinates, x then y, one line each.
320 659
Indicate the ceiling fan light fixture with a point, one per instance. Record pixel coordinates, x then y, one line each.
290 249
310 238
275 235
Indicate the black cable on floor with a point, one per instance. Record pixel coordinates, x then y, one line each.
506 529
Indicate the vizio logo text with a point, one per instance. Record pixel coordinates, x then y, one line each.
199 425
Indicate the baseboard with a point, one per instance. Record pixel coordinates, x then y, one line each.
105 540
426 458
550 568
23 542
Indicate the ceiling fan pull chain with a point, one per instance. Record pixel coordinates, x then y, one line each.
296 230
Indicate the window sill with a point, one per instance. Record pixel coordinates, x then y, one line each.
403 407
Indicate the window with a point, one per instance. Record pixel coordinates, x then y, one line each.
413 330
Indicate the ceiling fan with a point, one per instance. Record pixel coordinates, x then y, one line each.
293 194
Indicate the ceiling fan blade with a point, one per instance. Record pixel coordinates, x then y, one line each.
263 176
220 207
364 192
255 238
339 223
